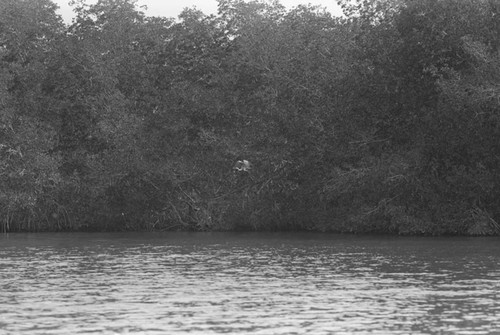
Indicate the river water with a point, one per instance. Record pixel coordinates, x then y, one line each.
252 283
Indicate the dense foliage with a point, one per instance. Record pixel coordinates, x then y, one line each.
384 120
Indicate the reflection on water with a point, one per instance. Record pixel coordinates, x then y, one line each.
208 283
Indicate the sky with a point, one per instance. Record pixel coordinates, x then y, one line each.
172 8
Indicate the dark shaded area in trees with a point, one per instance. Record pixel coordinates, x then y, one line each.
385 120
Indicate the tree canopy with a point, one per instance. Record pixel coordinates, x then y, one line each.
383 120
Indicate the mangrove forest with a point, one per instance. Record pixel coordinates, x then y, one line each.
383 120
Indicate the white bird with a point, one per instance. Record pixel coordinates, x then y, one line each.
243 165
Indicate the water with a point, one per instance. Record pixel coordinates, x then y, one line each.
215 283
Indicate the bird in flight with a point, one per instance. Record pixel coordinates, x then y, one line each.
242 165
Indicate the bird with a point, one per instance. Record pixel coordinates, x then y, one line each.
242 165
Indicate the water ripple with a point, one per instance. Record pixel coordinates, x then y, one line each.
249 284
